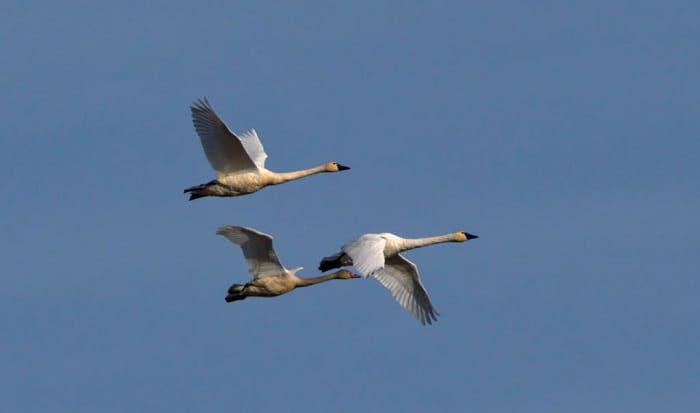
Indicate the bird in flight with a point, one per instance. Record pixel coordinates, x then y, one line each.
269 277
378 256
239 160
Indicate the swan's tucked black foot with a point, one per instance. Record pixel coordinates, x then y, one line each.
235 293
236 289
328 265
234 297
335 261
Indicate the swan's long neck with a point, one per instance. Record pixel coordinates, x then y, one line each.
305 282
411 243
282 177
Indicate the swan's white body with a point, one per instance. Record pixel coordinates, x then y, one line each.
269 277
378 256
239 160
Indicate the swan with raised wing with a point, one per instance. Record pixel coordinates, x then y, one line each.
239 160
269 277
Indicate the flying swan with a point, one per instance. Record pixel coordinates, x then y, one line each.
269 277
378 256
239 161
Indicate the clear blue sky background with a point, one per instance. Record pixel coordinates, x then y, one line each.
565 134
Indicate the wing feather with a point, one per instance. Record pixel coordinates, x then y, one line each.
400 276
367 253
254 148
225 151
257 249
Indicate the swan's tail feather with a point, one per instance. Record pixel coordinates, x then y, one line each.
338 260
196 191
197 196
195 188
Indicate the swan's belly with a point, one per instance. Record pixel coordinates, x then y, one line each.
243 183
270 286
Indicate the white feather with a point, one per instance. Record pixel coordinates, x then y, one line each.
400 276
226 152
254 148
367 253
257 249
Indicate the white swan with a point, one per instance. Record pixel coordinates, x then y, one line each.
378 256
239 161
270 278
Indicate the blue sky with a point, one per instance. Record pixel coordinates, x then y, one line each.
566 135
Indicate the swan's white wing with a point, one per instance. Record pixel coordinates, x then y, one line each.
254 147
225 151
257 250
367 253
400 276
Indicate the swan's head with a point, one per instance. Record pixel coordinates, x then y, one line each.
346 275
335 167
461 236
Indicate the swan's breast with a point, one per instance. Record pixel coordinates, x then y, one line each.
393 244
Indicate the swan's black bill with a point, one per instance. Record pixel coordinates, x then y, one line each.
470 236
343 167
